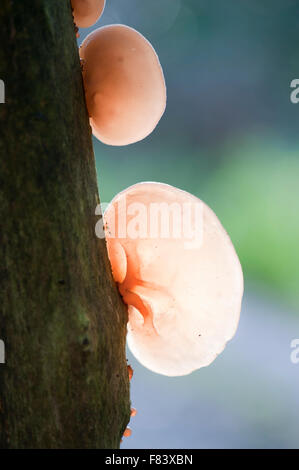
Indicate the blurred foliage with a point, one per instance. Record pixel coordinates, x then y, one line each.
257 199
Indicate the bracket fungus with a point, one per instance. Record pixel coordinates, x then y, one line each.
124 84
179 274
127 432
87 12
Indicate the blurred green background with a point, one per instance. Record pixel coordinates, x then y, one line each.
230 135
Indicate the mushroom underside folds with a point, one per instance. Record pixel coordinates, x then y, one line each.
183 303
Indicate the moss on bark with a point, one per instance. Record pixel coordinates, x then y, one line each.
65 381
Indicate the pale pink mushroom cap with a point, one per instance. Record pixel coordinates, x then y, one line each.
183 292
87 12
124 84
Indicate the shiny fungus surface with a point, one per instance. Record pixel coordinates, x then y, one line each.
183 285
124 84
87 12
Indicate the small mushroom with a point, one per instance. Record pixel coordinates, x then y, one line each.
128 432
130 372
183 286
124 84
87 12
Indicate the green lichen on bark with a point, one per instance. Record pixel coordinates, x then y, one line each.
65 381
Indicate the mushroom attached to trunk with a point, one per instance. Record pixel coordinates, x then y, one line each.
87 12
124 84
179 274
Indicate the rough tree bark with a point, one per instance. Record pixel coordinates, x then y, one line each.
65 381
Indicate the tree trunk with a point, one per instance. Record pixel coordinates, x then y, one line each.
64 383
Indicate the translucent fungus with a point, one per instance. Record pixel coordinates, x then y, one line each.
128 432
124 84
130 372
87 12
178 273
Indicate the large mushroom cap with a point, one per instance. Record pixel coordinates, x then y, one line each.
124 84
87 12
183 284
